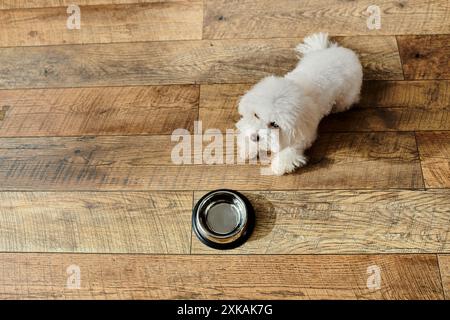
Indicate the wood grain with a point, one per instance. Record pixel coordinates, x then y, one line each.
96 222
155 21
98 111
86 175
434 149
346 221
344 160
388 119
444 267
174 62
17 4
44 276
396 106
384 106
218 106
378 55
431 94
293 18
425 57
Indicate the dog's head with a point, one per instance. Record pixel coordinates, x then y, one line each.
269 112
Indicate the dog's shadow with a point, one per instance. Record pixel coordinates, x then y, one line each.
319 155
265 216
334 127
367 115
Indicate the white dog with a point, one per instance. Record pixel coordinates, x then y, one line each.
282 114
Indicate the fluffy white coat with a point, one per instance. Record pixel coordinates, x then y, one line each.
282 114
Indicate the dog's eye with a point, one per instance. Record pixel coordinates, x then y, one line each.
274 125
256 116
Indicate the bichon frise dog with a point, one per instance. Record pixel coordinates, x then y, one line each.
282 114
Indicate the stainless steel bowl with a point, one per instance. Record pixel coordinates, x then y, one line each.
223 219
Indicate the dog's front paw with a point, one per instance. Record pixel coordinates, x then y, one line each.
287 161
278 167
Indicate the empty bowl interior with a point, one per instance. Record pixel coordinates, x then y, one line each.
223 218
222 214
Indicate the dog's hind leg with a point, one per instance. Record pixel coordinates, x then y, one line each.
344 102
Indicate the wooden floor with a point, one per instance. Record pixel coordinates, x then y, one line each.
87 180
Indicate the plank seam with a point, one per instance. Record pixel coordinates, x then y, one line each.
165 135
169 134
444 295
137 2
420 161
335 36
299 38
203 18
203 190
199 93
240 189
192 206
223 254
198 83
400 56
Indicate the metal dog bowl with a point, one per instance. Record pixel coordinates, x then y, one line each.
223 219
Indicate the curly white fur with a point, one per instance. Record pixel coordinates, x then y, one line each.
328 78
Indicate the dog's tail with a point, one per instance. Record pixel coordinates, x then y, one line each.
315 42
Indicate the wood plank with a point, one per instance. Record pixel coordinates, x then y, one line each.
44 276
412 94
345 222
98 111
444 267
425 57
17 4
339 160
97 222
384 106
379 56
218 106
294 18
434 150
388 119
396 106
181 20
143 63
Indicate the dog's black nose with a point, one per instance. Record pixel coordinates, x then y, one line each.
254 137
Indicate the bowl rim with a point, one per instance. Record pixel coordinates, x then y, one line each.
249 226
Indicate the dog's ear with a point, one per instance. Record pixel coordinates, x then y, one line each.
285 103
292 134
285 115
